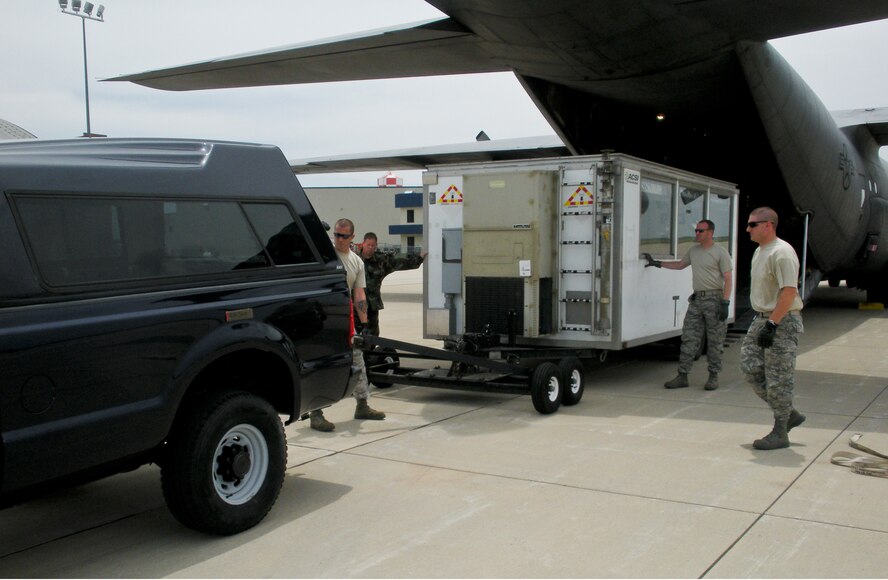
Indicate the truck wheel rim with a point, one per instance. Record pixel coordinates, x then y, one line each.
240 464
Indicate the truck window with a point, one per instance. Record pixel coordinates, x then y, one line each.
79 240
280 233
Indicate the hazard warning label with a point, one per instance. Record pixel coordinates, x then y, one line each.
452 195
581 196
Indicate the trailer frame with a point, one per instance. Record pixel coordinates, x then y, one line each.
551 376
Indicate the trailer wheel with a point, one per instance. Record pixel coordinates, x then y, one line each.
573 377
545 388
383 356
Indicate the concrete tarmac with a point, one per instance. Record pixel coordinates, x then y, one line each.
634 481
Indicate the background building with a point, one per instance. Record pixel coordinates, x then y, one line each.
409 228
393 213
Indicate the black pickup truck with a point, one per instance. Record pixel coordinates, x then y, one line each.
168 302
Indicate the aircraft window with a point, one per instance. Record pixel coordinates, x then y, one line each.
690 211
280 233
656 223
720 214
79 240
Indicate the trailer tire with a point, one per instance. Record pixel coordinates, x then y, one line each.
573 378
386 356
546 388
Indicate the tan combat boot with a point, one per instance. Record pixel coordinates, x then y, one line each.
712 383
776 439
795 419
679 382
363 411
319 423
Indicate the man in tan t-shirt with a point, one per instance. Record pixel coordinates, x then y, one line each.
343 233
768 351
707 313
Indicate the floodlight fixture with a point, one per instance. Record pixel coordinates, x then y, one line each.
63 4
100 12
75 5
88 8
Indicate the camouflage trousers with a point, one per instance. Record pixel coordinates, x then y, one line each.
359 375
771 371
702 320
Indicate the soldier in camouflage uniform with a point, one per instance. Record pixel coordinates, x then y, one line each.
377 266
708 306
768 352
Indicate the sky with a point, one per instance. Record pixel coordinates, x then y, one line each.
42 78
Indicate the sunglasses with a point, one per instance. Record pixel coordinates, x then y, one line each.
751 225
699 231
343 236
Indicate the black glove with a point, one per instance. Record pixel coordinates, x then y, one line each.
766 334
365 330
651 261
723 309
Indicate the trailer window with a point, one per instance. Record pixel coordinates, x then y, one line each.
656 224
690 212
720 214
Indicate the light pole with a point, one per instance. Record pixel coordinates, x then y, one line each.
84 12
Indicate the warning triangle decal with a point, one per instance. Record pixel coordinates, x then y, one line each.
452 195
581 196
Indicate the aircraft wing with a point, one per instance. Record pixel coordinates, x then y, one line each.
422 157
561 41
875 120
433 47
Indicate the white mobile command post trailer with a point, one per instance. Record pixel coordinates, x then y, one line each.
541 260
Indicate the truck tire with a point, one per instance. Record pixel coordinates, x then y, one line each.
546 388
226 464
385 356
573 376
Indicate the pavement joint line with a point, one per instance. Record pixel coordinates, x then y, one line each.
758 518
557 484
383 438
83 531
833 524
353 451
873 402
790 486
